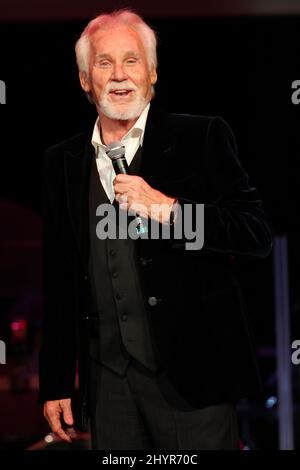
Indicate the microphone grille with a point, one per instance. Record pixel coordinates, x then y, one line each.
115 150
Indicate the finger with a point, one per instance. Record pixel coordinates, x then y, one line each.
124 206
122 187
67 412
122 199
122 178
55 425
62 434
51 413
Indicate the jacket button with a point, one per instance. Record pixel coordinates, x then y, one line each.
114 274
152 301
124 317
112 252
118 296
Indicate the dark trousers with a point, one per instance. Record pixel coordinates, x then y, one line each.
142 411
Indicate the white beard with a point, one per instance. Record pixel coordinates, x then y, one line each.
133 111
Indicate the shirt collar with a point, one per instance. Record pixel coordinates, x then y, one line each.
137 130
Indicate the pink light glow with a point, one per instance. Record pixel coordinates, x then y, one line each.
18 325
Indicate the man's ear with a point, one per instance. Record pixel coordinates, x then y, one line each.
153 76
84 82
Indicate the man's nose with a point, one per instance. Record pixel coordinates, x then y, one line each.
118 73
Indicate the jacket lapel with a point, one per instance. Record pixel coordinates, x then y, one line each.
164 160
157 146
77 174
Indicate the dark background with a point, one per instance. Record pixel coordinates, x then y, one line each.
238 67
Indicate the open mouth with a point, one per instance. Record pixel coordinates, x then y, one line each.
120 92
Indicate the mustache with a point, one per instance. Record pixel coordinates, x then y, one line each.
120 86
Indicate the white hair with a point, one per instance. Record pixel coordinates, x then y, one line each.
109 20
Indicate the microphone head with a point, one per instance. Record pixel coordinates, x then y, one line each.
115 150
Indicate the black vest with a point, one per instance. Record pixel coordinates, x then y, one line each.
120 327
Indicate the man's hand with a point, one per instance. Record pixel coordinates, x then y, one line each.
132 192
52 411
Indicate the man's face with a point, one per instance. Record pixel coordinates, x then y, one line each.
119 80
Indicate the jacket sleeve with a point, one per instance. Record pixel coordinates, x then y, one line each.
234 221
57 358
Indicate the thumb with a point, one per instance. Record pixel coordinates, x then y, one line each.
67 411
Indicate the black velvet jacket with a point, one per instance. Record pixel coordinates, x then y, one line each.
199 323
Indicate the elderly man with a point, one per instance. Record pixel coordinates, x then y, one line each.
159 331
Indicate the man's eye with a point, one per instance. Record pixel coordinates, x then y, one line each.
104 64
131 61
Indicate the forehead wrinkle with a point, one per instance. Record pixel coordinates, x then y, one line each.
102 55
96 38
106 55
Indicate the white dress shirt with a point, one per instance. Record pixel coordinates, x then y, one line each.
132 140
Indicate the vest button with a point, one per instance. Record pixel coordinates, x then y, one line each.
112 252
119 296
114 274
152 301
124 317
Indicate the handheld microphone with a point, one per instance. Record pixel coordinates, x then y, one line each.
116 152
